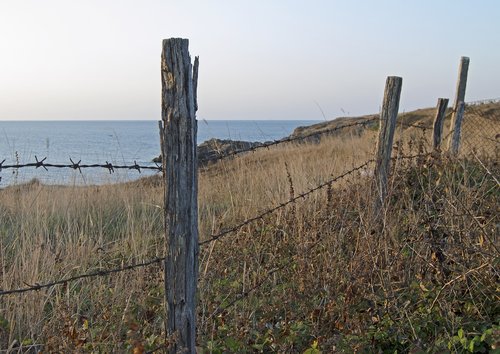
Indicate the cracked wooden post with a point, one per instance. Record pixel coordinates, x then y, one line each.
388 115
181 192
459 97
437 133
161 157
457 129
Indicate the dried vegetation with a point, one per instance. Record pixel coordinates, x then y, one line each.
324 274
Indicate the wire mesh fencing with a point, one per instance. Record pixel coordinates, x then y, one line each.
481 129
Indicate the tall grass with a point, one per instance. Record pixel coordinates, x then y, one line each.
326 273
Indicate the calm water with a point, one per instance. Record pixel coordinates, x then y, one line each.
119 142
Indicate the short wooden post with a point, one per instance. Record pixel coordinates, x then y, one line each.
442 105
460 93
457 129
388 115
181 193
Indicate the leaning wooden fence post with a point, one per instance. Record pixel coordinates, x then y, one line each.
459 95
181 193
388 115
457 129
442 105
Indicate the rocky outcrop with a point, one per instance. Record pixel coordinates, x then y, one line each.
334 128
210 150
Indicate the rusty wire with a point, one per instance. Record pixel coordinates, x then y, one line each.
78 166
290 139
325 184
260 216
213 237
246 293
97 273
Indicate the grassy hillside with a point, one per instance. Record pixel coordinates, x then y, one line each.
323 274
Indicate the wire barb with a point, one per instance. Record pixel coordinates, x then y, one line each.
40 163
109 166
76 166
136 167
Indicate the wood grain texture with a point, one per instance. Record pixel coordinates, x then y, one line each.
459 97
462 81
388 115
195 82
437 133
181 193
454 145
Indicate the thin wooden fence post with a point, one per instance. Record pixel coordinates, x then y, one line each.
437 135
388 115
162 149
459 95
457 129
181 193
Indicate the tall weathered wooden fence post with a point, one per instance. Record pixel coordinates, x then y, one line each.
181 192
459 97
388 115
437 135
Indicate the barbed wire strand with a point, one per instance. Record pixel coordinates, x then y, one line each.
246 293
223 156
97 273
211 239
78 166
109 166
284 204
260 216
290 139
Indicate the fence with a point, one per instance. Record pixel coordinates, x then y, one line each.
482 129
178 138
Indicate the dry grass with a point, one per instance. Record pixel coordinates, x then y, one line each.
325 270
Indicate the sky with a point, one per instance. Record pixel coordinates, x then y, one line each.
259 59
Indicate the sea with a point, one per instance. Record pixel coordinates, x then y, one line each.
116 142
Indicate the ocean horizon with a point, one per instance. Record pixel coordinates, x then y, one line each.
114 141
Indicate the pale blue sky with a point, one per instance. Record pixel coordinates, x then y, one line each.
259 59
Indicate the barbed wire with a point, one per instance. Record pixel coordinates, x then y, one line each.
284 204
260 216
423 127
97 273
290 139
259 284
78 166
